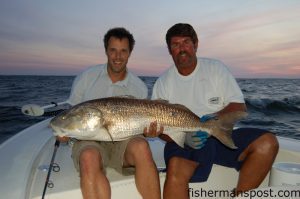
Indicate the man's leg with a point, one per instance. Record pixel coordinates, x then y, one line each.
258 159
93 181
138 154
179 173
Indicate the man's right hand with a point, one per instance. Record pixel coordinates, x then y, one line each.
198 139
62 139
152 130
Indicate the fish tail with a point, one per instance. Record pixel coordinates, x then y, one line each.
223 127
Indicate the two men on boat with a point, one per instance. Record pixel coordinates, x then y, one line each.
203 85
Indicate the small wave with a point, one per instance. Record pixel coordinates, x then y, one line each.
12 121
284 105
257 122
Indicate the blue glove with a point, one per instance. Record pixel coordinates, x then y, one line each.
207 117
197 139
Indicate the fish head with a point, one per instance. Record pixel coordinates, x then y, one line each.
79 121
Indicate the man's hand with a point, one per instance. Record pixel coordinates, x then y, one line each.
152 131
196 140
204 118
62 139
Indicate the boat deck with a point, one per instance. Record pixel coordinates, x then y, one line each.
24 170
66 182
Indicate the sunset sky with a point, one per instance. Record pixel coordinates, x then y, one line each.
254 38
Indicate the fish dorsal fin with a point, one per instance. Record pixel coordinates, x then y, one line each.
125 96
167 102
160 100
182 107
177 136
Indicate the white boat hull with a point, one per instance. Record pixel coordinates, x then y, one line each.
24 155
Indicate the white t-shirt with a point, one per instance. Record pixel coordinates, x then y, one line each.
95 83
208 89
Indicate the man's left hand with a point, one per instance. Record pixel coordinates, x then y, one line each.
152 131
197 139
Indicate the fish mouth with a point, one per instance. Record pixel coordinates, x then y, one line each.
57 131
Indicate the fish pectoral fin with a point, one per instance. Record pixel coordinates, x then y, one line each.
111 137
101 135
177 136
105 129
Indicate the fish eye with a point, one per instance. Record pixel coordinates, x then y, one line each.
172 113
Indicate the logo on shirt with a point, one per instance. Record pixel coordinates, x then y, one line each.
214 100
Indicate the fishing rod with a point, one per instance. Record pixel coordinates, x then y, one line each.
36 110
56 145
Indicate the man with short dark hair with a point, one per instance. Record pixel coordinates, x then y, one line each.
207 88
92 157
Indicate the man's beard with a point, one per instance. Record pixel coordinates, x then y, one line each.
183 59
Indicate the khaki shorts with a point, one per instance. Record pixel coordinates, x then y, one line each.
112 153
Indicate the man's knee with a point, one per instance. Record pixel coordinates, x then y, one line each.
137 152
266 144
89 160
180 170
139 148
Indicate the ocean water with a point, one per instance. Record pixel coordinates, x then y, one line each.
273 104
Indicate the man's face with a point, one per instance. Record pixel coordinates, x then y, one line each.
117 53
183 51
